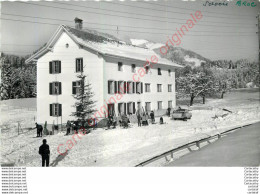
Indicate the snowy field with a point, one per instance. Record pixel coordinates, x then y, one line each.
122 147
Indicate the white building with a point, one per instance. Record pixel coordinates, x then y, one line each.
108 64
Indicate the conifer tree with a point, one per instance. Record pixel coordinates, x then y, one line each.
84 104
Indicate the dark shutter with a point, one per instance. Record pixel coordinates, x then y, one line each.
50 67
136 88
50 88
51 110
60 110
59 62
133 107
59 87
76 65
124 87
108 84
81 65
133 85
125 108
115 88
141 87
73 87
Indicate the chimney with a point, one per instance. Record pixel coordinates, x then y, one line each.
78 23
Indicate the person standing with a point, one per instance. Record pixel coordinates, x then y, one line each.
68 126
38 130
44 151
139 120
152 116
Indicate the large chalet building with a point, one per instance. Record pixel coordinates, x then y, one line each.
109 64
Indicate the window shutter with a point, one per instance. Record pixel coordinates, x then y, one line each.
50 67
59 62
141 87
50 88
133 85
108 83
51 110
125 108
59 87
133 107
73 87
115 82
81 65
76 70
60 110
124 87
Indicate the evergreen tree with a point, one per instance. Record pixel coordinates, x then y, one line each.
84 104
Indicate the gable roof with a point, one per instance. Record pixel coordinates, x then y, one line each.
103 44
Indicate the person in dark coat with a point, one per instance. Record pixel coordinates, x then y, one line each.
152 116
139 120
44 151
169 112
68 126
39 130
161 120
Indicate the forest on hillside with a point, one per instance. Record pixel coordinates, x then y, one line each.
18 80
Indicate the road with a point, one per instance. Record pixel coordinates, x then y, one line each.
240 148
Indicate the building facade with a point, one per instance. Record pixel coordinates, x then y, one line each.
112 69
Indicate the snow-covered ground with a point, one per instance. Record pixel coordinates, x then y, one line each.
127 147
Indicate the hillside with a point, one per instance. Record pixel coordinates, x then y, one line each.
176 54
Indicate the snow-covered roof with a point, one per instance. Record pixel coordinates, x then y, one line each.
105 45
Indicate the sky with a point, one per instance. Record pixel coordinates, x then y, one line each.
224 32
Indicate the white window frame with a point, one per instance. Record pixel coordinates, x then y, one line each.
169 87
79 64
147 84
159 87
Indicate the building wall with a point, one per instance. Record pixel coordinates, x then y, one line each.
99 70
93 68
111 73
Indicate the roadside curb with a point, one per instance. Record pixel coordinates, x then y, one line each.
216 134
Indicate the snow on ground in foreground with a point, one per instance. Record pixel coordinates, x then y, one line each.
128 147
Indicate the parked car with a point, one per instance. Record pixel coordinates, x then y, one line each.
181 113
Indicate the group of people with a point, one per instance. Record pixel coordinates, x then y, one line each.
78 125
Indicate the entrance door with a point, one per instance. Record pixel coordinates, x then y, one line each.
111 109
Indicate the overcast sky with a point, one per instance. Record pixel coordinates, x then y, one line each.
224 32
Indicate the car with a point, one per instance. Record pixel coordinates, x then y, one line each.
181 113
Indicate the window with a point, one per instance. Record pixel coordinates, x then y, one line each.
159 105
55 88
130 89
122 108
170 104
139 87
111 87
79 65
147 87
111 109
76 87
159 71
159 87
133 68
169 72
130 108
148 106
121 87
55 109
120 66
79 109
169 88
54 67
